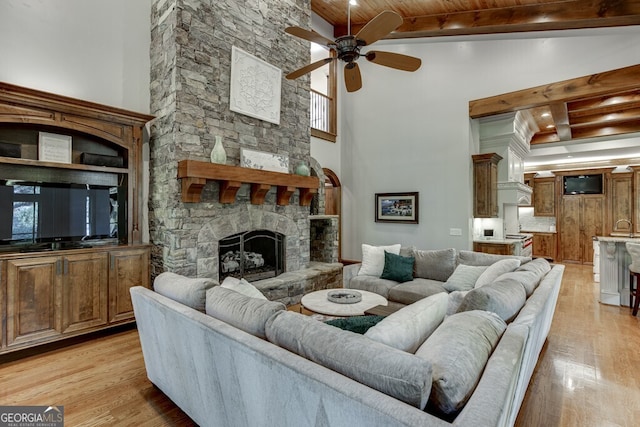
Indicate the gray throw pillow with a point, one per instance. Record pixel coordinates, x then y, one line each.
505 298
529 279
495 270
464 278
390 371
186 290
246 313
458 351
434 264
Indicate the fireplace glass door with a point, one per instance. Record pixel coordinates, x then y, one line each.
252 255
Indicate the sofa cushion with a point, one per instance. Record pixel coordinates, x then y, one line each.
505 298
398 268
245 313
528 279
495 270
410 292
242 286
455 300
480 258
407 328
386 369
540 267
458 351
372 284
464 277
186 290
373 259
357 324
435 264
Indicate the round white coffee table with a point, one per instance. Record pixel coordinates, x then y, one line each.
317 302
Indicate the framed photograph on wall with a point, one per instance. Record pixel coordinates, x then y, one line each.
397 207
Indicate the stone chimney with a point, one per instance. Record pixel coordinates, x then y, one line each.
191 45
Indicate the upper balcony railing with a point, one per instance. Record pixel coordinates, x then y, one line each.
323 116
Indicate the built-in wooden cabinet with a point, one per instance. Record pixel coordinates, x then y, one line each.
528 180
485 185
67 293
48 292
620 218
127 268
582 217
544 245
494 248
544 201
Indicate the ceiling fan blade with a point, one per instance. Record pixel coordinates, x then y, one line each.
379 27
308 68
394 60
309 35
352 77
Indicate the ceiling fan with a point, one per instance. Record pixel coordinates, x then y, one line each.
347 48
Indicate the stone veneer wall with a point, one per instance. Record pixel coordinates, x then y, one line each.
191 43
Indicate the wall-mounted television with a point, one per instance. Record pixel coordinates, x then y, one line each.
36 213
583 184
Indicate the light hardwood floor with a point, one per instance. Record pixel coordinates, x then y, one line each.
586 376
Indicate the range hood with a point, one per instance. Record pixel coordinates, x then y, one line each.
508 135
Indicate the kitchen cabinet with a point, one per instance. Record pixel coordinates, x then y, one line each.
581 218
544 245
620 204
544 190
485 185
66 293
494 248
528 180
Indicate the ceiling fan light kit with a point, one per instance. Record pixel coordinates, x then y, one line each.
347 49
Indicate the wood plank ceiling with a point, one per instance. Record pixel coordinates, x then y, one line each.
593 113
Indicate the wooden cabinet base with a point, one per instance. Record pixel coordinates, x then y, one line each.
46 297
494 248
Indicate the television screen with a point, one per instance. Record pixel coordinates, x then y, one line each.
41 212
583 184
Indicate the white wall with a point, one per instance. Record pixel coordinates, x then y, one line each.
411 131
93 50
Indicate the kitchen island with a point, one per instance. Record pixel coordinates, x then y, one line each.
614 269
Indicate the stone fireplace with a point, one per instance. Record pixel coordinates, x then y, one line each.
191 43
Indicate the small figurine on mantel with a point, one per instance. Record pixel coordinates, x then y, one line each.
218 155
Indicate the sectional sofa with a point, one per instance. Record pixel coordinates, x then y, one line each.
228 359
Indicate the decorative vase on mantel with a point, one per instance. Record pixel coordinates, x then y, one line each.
302 169
218 155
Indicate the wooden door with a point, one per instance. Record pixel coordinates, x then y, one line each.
331 200
33 300
127 268
84 291
570 229
592 224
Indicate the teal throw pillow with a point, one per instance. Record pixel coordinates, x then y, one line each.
398 268
357 324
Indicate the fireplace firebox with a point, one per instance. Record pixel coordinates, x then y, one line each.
252 255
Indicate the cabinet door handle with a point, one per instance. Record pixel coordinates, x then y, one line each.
66 267
112 261
58 267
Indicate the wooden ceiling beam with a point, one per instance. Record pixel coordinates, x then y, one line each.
570 14
560 116
602 118
619 80
598 131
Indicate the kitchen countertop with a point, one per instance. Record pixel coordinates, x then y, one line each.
618 239
540 232
499 241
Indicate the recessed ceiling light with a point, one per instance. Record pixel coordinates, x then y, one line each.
550 126
546 115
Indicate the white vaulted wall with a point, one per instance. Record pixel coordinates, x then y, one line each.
411 131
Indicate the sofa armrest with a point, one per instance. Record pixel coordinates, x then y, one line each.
349 272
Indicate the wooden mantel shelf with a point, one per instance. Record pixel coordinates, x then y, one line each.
194 175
